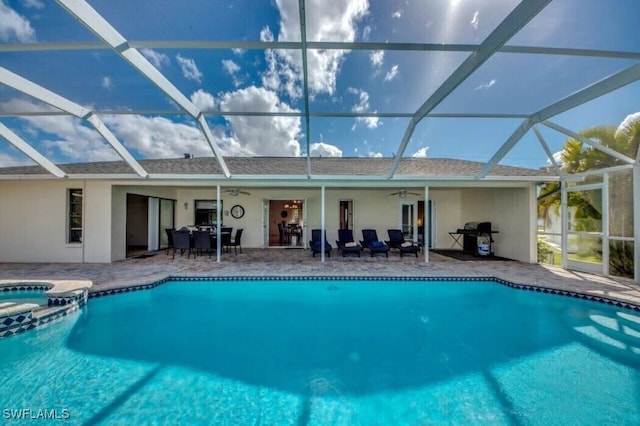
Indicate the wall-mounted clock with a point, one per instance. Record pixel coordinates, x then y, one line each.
237 211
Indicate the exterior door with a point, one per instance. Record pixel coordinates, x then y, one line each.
409 220
346 214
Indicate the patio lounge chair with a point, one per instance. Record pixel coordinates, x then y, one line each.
396 240
346 244
316 243
370 241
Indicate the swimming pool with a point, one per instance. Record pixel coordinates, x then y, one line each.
331 352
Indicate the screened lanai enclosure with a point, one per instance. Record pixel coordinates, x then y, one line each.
550 86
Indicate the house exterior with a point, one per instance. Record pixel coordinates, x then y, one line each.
100 210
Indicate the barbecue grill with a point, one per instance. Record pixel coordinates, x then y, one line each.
473 234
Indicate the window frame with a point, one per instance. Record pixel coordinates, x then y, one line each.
72 214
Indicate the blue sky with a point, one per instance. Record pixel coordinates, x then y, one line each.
339 80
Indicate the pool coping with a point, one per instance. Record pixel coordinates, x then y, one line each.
96 293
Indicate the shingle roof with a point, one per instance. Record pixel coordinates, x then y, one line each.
290 166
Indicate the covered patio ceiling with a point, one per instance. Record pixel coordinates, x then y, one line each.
95 81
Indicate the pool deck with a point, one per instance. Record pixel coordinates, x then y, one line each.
299 262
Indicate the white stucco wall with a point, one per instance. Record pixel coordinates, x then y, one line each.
511 212
33 222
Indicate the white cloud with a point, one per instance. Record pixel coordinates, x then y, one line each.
475 20
366 32
230 66
280 76
392 73
157 59
335 22
107 83
557 156
321 149
397 14
361 107
14 26
277 136
158 137
488 85
69 137
8 160
238 52
421 153
189 69
33 4
202 100
25 105
377 58
232 69
375 154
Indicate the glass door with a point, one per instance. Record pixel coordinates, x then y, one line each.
167 221
584 228
409 220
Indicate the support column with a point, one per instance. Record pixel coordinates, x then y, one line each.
425 219
605 224
636 222
218 225
564 221
322 224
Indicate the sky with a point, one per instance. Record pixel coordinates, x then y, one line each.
343 81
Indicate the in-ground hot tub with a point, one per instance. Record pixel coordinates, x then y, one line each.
28 304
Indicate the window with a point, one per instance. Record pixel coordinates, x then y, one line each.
74 230
205 212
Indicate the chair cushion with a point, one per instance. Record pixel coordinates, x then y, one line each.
351 244
376 244
406 244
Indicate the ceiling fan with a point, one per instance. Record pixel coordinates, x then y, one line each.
235 192
403 193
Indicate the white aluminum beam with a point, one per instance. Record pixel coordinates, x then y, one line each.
32 89
207 134
318 45
29 151
505 148
84 13
115 144
602 87
36 91
546 149
518 18
590 142
305 83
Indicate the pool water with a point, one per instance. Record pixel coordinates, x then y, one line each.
25 296
331 352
